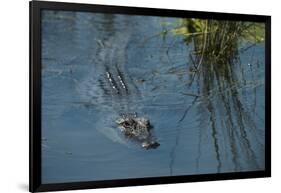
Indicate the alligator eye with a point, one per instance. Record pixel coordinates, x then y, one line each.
126 124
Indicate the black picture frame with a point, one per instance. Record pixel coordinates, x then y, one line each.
36 7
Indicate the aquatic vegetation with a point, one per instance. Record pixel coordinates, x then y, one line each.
248 31
217 71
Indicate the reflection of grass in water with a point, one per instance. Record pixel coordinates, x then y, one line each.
216 54
215 63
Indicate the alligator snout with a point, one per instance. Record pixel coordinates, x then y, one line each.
150 145
138 129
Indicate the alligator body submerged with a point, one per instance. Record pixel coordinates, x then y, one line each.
133 127
118 92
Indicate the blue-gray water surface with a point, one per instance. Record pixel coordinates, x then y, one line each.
199 131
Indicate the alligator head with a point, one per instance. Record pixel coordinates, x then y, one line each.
139 129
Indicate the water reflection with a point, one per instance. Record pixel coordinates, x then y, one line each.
219 76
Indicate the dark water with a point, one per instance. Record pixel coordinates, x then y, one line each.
202 127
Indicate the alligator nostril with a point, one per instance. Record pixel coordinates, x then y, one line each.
154 144
150 145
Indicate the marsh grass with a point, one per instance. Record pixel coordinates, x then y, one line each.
215 65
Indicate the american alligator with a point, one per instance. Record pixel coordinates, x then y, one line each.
133 127
117 92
